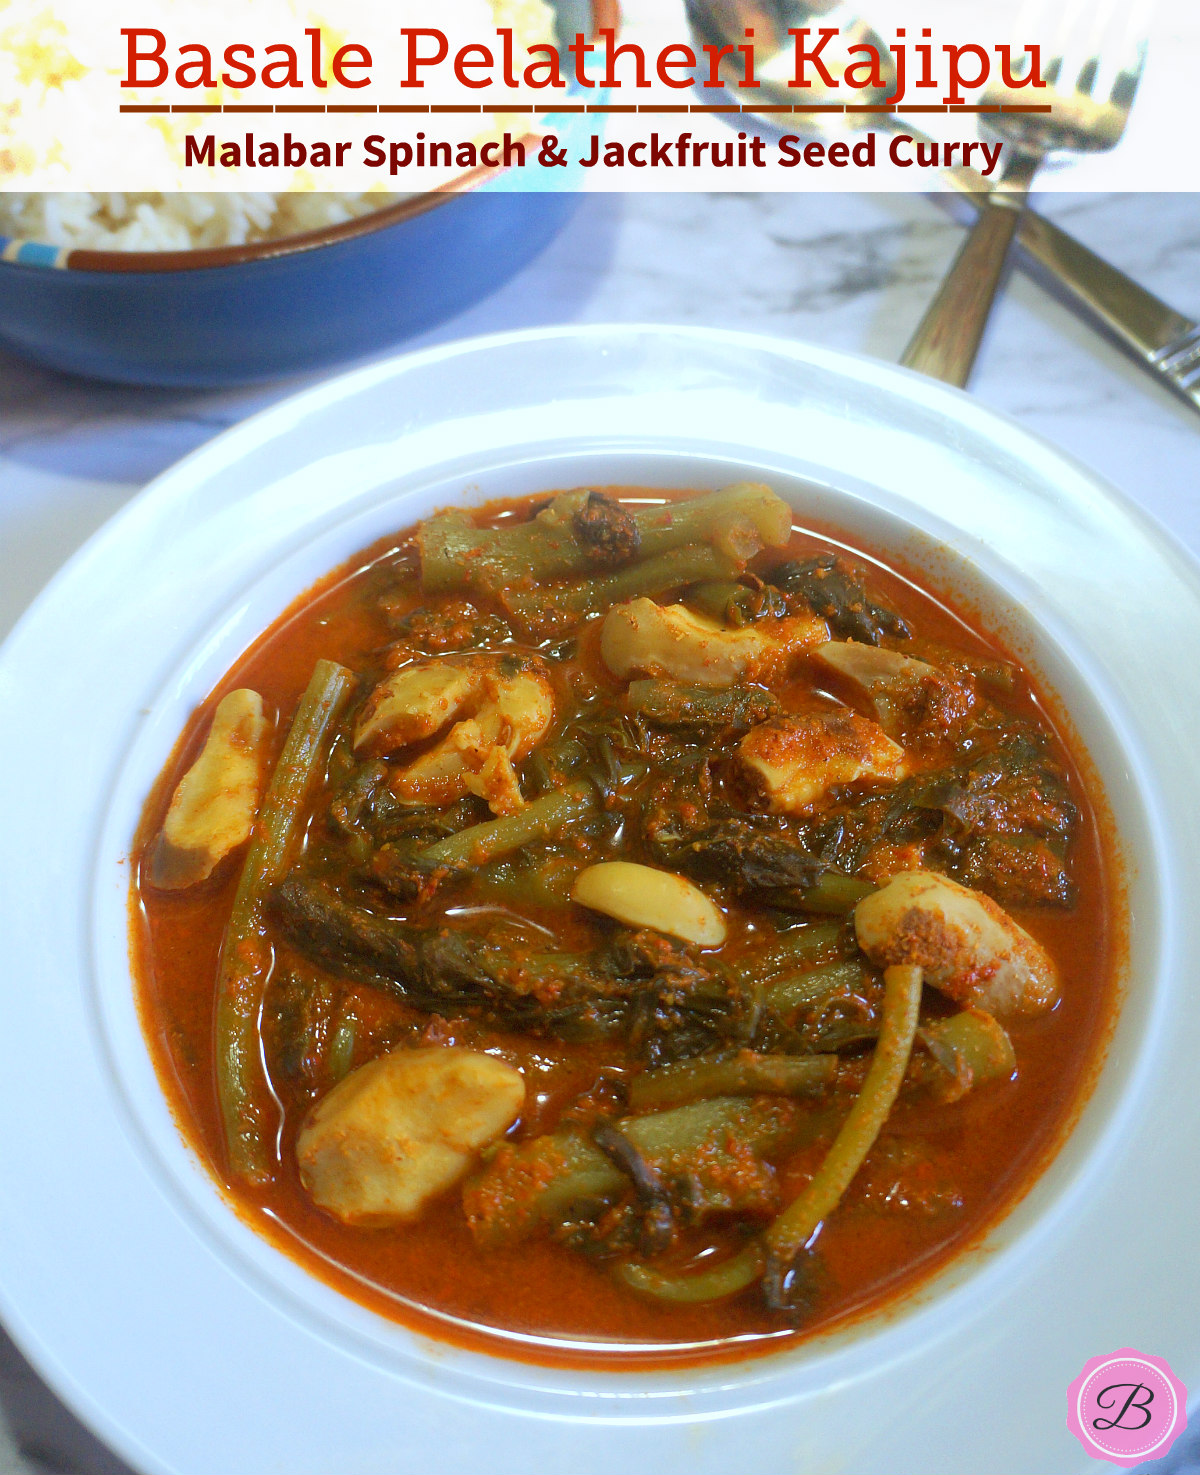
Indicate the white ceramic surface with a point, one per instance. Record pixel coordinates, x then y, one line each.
150 1307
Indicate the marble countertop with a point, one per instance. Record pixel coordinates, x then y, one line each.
848 271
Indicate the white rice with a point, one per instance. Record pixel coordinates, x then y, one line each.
157 221
57 87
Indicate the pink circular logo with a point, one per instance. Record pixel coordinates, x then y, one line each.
1126 1407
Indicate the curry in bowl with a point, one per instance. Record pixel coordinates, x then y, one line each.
625 922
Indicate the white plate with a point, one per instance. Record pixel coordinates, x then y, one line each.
194 1348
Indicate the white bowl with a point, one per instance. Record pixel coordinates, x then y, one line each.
193 1346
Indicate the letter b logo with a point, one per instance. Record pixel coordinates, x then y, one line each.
1137 1404
1126 1407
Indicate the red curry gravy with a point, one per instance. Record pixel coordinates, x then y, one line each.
974 1156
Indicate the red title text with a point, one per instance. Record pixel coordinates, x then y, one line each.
920 67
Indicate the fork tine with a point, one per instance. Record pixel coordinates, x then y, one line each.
1082 42
1052 27
1109 43
1119 64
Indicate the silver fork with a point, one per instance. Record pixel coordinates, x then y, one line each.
1095 65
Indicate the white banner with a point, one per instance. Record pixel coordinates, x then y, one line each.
414 95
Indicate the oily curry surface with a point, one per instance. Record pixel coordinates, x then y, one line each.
623 921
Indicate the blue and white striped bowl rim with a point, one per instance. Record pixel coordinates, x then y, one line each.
33 253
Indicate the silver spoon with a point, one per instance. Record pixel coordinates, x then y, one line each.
786 109
1158 338
726 22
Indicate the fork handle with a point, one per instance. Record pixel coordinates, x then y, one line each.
948 336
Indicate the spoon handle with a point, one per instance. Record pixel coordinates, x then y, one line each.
948 336
1162 340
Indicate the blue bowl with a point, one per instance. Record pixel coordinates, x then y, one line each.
306 307
243 314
